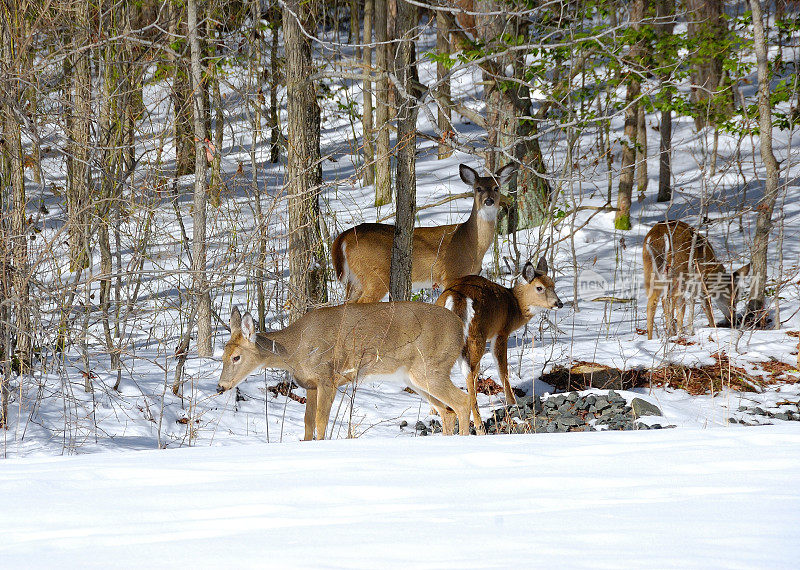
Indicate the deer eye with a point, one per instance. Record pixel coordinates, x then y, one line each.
539 288
235 359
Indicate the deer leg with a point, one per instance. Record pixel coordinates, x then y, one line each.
442 392
706 302
652 301
372 293
326 393
680 310
500 352
311 413
475 347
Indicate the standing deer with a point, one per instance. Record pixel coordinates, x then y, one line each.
679 264
414 343
492 312
362 254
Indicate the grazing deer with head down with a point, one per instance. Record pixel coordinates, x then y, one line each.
492 312
414 343
362 254
679 264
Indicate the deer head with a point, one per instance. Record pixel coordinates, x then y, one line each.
538 291
246 351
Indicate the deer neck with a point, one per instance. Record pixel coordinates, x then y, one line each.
522 314
479 228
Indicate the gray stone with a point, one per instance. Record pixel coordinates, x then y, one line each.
572 397
642 407
550 428
420 426
403 424
783 416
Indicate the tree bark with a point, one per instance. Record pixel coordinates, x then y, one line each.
405 71
303 170
201 293
383 156
641 151
765 208
276 80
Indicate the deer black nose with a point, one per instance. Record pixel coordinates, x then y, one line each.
220 389
488 202
559 304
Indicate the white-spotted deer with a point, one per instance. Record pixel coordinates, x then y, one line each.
414 343
679 265
362 254
492 312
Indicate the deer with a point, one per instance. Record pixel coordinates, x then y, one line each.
362 254
680 265
409 342
490 311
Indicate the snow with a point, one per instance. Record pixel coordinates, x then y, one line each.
667 499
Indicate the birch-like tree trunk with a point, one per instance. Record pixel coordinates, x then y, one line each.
665 13
755 306
444 116
366 119
307 259
383 156
200 288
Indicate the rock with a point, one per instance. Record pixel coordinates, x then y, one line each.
403 424
783 416
656 426
420 426
423 432
435 424
601 404
642 407
572 397
537 405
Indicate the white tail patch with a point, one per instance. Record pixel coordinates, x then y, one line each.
469 313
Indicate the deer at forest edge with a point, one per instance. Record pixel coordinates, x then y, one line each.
492 312
362 254
679 264
414 343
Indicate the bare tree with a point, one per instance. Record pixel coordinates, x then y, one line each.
383 157
303 170
622 219
765 208
200 281
367 122
406 183
665 14
443 48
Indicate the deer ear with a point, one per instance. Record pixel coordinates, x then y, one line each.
236 320
504 174
541 267
248 328
743 271
468 175
528 272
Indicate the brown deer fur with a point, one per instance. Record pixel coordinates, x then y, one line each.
679 264
362 254
492 312
414 343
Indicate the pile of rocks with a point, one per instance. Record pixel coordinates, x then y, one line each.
565 412
756 415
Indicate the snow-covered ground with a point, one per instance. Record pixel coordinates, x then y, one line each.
669 499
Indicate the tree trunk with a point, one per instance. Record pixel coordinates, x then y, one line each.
303 171
367 134
622 219
215 96
405 71
274 120
200 288
765 208
383 156
707 27
78 176
181 95
641 152
443 47
14 173
665 12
